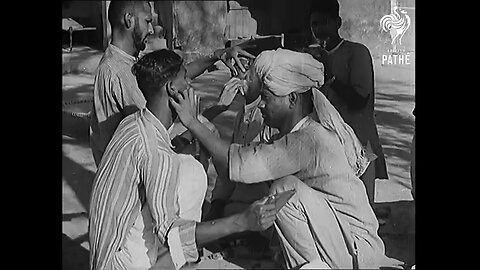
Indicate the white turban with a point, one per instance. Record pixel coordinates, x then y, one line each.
285 71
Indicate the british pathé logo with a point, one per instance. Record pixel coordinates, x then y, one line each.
396 23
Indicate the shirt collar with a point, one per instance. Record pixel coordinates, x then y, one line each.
252 106
336 47
122 53
299 124
158 125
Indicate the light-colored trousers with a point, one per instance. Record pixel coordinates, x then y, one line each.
308 227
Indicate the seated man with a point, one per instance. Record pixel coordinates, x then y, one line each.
316 153
146 200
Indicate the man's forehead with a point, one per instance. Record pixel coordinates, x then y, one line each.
144 8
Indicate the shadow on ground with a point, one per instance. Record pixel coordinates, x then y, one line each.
74 256
80 59
77 177
394 103
398 233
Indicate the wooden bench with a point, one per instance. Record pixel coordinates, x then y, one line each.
70 25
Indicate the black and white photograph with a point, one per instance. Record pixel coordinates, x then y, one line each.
248 134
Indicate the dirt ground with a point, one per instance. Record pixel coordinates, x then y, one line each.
395 97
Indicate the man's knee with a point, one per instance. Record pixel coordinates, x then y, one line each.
285 183
303 193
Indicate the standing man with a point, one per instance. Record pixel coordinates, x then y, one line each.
116 93
350 86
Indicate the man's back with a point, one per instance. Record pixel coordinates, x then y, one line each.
122 186
115 94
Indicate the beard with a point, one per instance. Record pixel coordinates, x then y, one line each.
138 40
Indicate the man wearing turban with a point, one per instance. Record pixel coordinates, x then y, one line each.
329 219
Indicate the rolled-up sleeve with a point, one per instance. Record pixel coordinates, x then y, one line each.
161 185
181 242
260 162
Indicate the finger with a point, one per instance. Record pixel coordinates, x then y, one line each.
232 84
230 66
192 99
239 63
179 97
245 53
229 83
269 219
239 71
262 200
266 223
175 105
269 208
270 214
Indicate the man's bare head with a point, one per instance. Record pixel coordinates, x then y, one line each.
118 9
133 18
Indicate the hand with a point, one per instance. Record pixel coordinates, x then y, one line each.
184 106
230 89
229 56
260 215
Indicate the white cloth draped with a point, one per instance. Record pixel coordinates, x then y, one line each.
284 71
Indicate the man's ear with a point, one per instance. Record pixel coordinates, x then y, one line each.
128 20
292 99
169 90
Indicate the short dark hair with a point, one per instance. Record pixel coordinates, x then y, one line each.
154 69
330 7
117 9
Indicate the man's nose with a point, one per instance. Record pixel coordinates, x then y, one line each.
261 104
150 29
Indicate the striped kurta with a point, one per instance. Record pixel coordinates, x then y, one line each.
115 95
139 170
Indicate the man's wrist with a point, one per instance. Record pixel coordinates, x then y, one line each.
193 124
240 222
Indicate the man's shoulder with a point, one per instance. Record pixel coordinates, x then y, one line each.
356 46
129 125
109 64
311 128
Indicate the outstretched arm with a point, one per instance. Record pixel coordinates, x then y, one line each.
217 147
258 217
198 66
253 163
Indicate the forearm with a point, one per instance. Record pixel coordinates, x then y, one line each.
199 66
212 230
214 111
217 147
349 95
